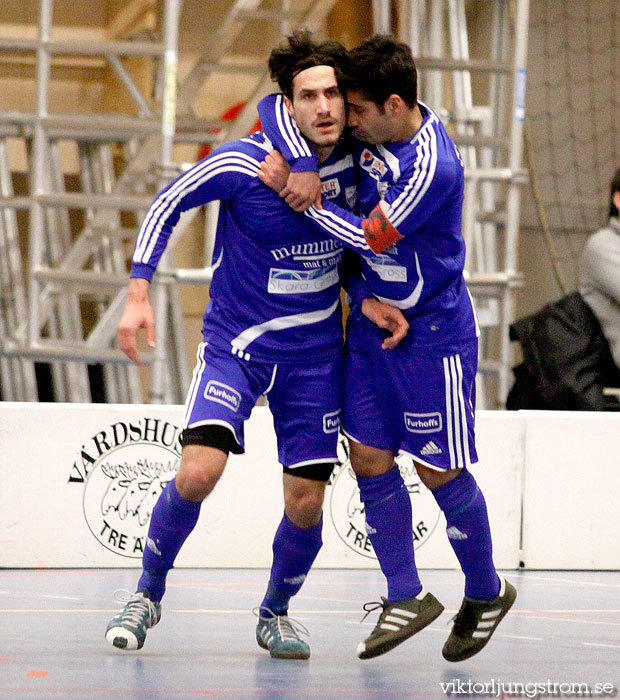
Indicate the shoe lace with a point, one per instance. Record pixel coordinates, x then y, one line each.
376 605
136 604
286 627
465 620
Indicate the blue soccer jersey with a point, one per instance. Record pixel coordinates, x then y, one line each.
417 399
419 184
275 293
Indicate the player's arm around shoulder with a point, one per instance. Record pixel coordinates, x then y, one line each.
300 190
292 153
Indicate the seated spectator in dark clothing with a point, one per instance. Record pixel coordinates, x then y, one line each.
599 273
571 347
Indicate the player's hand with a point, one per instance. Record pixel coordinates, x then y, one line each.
388 317
138 314
274 171
303 189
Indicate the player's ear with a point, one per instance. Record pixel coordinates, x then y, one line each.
394 104
289 105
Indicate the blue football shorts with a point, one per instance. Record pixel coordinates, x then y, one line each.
416 400
304 399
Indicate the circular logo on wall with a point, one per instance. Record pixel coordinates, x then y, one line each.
347 511
123 476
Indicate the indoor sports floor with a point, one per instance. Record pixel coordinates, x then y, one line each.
563 629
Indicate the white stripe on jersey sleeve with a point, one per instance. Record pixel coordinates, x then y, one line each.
265 145
424 172
340 228
165 204
290 131
157 229
280 323
184 185
184 182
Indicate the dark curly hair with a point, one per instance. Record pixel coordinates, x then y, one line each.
382 66
300 51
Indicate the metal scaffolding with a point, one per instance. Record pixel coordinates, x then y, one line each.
486 123
42 308
42 315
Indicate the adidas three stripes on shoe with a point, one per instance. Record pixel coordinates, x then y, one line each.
476 621
397 622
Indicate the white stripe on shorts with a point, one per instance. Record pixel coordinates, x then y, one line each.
197 376
456 416
320 460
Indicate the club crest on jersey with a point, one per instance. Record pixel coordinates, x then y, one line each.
331 422
224 394
382 188
375 166
330 188
350 194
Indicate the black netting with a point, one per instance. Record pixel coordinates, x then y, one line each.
573 109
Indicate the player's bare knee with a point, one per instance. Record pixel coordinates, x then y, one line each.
304 503
194 484
304 515
370 461
432 478
201 468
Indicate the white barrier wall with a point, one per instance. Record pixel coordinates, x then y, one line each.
78 483
571 508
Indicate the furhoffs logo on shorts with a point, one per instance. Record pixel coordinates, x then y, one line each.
224 394
423 422
331 422
123 470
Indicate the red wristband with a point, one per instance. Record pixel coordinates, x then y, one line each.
378 231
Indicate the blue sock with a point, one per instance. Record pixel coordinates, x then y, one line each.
294 551
389 526
172 521
470 535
